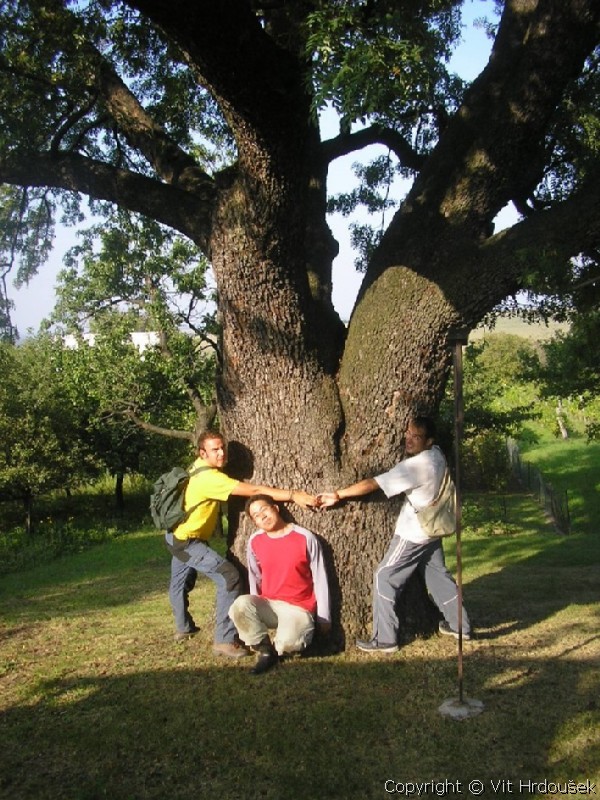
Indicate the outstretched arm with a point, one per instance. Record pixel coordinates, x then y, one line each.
298 496
366 486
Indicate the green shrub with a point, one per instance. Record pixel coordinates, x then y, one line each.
485 463
68 524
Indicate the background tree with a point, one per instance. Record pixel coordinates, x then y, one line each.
569 369
108 376
499 397
26 234
130 280
203 117
43 438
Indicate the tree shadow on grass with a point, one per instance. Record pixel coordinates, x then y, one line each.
176 724
537 576
330 728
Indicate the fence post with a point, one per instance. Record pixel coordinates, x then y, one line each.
547 497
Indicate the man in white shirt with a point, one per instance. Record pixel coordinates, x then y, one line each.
419 476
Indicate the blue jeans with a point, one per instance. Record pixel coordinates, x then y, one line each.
193 557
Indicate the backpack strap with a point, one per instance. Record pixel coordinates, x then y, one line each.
445 478
190 474
197 470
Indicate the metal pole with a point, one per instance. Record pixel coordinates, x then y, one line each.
458 339
459 707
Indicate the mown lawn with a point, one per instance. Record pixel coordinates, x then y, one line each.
573 468
97 701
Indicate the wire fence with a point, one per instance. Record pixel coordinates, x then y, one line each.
555 504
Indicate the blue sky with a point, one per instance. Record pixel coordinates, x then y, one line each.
34 302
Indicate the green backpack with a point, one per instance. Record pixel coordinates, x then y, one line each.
166 500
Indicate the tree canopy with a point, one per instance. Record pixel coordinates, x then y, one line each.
143 104
203 117
131 279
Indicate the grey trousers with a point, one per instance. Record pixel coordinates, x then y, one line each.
398 564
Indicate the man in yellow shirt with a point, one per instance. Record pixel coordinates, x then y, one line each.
208 487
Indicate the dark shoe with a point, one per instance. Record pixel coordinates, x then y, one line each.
267 656
230 650
182 636
446 630
373 646
264 662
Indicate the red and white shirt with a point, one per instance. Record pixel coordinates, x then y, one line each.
289 567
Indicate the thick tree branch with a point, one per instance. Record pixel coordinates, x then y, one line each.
255 82
171 206
555 235
493 148
568 228
171 163
495 143
348 143
172 433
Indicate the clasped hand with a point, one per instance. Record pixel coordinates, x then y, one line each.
316 502
327 499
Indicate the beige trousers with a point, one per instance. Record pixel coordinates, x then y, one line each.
255 616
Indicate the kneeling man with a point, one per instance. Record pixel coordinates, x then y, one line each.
289 592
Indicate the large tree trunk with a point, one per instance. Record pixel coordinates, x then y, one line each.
300 435
290 422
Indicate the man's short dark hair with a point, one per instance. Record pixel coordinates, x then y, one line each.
425 424
266 498
206 436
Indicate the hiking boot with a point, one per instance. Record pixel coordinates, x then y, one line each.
264 662
373 646
267 656
230 650
446 630
183 636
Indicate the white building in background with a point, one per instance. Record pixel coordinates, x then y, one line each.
145 339
72 342
140 339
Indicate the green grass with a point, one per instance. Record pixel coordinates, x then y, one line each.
572 466
97 701
69 524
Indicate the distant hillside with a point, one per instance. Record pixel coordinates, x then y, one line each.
537 331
